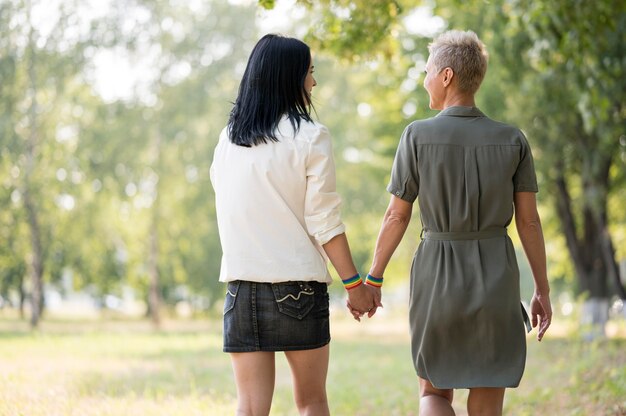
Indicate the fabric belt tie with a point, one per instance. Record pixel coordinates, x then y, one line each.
463 235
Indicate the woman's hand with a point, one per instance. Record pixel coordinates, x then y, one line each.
376 303
377 292
361 298
540 313
355 314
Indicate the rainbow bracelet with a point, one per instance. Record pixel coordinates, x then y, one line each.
352 282
374 281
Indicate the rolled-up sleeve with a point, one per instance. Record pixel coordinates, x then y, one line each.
321 207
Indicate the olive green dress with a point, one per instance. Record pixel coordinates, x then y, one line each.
466 319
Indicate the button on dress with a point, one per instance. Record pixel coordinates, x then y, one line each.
466 319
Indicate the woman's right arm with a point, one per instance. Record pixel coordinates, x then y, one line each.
529 229
322 216
338 252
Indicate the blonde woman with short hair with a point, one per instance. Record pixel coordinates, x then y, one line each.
470 175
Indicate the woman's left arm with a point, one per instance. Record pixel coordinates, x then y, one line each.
529 229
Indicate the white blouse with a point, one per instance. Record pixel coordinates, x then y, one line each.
276 205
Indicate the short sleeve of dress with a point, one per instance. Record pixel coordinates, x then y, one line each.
525 179
405 180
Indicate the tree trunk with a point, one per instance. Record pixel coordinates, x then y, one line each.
154 298
22 294
608 252
36 257
595 277
586 252
36 262
593 255
594 316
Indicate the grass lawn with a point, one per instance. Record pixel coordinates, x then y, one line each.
125 368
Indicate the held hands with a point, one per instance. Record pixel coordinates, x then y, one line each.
365 299
541 313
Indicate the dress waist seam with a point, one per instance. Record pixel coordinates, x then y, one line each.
463 235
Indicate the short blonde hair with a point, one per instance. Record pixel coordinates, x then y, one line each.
464 53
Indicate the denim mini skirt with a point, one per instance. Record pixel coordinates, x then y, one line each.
282 316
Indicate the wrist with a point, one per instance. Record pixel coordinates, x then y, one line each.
374 281
352 282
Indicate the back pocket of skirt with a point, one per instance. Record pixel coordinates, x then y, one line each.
295 299
231 296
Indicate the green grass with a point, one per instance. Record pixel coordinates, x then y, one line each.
125 368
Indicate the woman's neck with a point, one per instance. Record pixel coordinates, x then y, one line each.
459 99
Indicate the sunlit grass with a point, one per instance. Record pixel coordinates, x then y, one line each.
126 368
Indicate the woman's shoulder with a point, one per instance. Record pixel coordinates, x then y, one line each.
421 126
312 125
504 126
224 136
309 130
513 134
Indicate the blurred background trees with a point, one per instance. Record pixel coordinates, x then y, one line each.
109 112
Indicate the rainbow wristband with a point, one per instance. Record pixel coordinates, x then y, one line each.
352 282
374 281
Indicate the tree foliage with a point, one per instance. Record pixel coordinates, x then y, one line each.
119 184
557 71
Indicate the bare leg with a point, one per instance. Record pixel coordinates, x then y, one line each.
309 369
434 401
254 375
485 401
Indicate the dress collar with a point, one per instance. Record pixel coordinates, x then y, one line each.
461 111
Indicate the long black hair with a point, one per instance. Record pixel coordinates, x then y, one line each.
272 86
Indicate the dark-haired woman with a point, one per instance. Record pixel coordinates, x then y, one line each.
279 220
